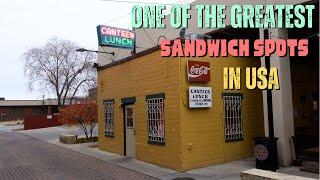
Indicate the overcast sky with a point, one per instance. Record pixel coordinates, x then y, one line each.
30 23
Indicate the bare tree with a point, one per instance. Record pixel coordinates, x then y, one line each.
57 68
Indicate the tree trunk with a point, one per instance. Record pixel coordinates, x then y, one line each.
87 136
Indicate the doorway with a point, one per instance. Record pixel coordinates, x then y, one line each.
305 92
129 125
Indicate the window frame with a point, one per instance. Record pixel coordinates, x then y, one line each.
236 98
108 119
154 101
129 117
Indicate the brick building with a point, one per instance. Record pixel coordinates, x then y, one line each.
17 109
144 112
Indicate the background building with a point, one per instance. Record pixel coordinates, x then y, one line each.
18 109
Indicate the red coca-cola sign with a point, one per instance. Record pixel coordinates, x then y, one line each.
198 71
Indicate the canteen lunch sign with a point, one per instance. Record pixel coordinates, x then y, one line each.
116 37
200 97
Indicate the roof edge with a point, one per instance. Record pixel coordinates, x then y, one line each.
129 58
149 51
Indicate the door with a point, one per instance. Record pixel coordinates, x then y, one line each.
130 132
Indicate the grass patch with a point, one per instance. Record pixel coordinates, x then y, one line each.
84 140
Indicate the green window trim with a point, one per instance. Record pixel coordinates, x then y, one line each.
128 100
159 95
232 94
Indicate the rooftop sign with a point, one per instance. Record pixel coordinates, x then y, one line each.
115 37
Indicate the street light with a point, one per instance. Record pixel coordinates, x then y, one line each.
96 65
86 50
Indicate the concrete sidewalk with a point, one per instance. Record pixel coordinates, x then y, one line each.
221 171
7 128
51 134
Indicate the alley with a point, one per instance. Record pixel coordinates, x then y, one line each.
24 157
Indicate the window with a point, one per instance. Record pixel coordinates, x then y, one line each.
233 122
108 118
156 128
129 116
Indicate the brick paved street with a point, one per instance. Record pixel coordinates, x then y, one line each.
24 157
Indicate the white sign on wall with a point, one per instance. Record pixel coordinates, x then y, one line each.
200 97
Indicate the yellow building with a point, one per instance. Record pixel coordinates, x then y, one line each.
144 112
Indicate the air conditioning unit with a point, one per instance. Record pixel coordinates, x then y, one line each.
194 36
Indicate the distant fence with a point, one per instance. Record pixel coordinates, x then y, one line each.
40 121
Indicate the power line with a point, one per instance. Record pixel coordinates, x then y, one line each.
148 36
127 14
120 17
137 2
141 2
154 3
